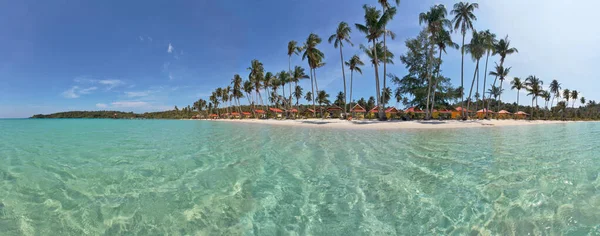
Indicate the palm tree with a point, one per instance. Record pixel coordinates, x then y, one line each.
315 58
274 83
297 75
463 20
370 51
339 100
284 78
443 40
476 48
489 39
500 73
323 98
225 96
293 48
308 96
387 8
555 90
503 49
219 93
436 22
546 96
237 90
342 34
353 64
495 92
534 87
574 95
248 88
566 95
297 94
582 100
214 98
373 29
518 85
257 77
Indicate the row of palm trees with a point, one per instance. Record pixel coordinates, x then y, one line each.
438 29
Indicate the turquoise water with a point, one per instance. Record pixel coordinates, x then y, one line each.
133 177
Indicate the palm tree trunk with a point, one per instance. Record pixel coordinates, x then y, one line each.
485 79
317 88
477 89
471 90
462 69
435 83
379 105
531 117
312 87
344 77
384 60
429 77
351 77
493 85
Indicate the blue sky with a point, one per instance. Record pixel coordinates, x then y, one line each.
152 55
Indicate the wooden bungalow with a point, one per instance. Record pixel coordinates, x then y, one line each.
276 112
213 116
246 114
504 114
259 113
458 112
414 113
293 112
483 113
235 115
392 112
334 111
308 113
521 115
358 112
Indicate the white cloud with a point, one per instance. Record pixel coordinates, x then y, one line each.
111 83
71 93
75 91
150 38
87 90
130 104
101 105
141 38
137 94
170 48
170 76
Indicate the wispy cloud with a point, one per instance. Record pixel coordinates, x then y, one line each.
141 38
111 83
137 94
129 104
170 48
76 91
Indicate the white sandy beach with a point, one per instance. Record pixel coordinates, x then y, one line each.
385 125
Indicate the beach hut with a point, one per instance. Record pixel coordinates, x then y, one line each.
391 112
308 113
521 115
246 114
236 115
503 114
484 113
334 111
445 114
293 112
213 116
276 112
259 113
458 112
358 111
414 112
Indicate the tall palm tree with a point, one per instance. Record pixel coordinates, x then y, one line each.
248 89
354 65
503 49
582 100
293 48
370 52
284 78
257 77
443 40
214 98
534 87
546 96
297 94
373 29
342 34
500 73
436 22
463 20
225 96
297 75
237 90
490 39
518 85
495 92
566 95
308 96
315 58
323 98
476 48
574 95
267 83
555 90
385 4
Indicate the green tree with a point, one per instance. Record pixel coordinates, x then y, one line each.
257 77
248 89
518 85
237 90
500 73
373 29
297 94
315 58
354 65
308 96
463 20
555 90
476 48
574 95
342 34
489 39
534 89
495 92
503 49
443 40
339 100
323 98
385 4
567 96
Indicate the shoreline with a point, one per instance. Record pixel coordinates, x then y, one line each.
392 125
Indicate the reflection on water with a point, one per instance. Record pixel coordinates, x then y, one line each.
74 177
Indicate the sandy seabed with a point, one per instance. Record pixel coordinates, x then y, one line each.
395 124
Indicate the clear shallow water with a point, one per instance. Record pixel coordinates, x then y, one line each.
118 177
